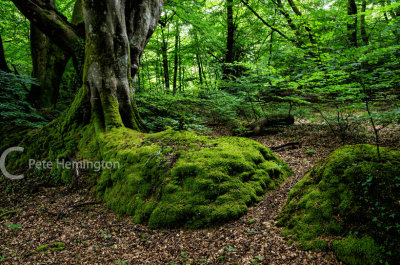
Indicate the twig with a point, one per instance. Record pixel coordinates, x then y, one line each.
284 145
7 213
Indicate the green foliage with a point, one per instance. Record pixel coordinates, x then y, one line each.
173 179
228 109
349 193
15 110
13 227
104 234
160 111
194 111
14 30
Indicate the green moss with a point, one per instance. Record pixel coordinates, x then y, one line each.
42 248
167 179
112 117
351 191
252 221
172 179
57 246
357 251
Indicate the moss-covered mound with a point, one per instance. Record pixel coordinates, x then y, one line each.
177 178
167 179
349 202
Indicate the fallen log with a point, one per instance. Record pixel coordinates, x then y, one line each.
292 145
260 126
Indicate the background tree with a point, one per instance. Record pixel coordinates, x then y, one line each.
48 63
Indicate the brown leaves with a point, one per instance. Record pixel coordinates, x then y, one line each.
92 234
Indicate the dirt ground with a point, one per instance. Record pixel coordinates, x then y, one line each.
92 234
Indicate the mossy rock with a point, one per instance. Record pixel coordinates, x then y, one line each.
177 178
349 202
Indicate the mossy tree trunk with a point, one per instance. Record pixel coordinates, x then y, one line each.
116 33
48 62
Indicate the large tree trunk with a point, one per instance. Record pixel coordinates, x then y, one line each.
111 42
117 32
48 62
3 62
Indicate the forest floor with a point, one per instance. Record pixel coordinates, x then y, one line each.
92 234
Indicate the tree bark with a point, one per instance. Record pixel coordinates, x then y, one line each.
50 22
363 29
199 66
298 13
198 59
352 26
292 26
114 46
164 52
259 126
116 33
383 4
141 20
176 59
180 65
3 62
48 62
230 41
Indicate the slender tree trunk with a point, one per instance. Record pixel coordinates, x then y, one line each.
230 39
298 13
352 26
139 81
164 52
198 59
176 59
383 4
3 62
203 72
364 35
48 62
158 82
148 75
180 65
183 77
199 69
271 45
